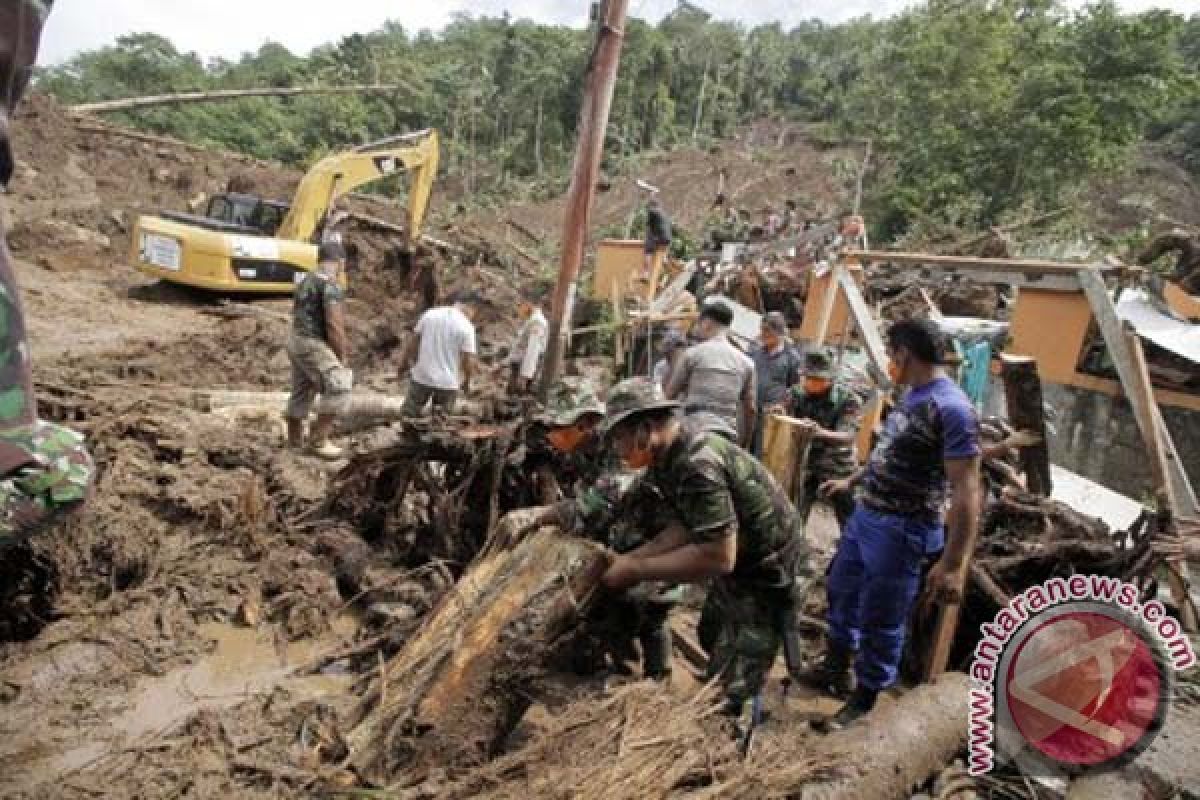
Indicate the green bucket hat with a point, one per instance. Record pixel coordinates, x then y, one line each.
567 401
818 363
631 397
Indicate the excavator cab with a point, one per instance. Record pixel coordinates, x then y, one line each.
247 211
244 243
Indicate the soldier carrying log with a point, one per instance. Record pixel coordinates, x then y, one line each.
730 523
588 494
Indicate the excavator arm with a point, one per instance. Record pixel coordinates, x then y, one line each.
337 175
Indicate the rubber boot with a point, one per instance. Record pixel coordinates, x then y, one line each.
318 438
861 701
656 652
295 433
832 674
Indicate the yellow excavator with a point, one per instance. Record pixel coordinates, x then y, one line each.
247 244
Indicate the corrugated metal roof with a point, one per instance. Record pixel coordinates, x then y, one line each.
1181 338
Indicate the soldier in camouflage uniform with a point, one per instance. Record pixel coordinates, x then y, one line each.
609 505
45 470
731 524
834 414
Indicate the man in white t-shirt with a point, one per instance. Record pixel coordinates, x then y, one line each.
443 349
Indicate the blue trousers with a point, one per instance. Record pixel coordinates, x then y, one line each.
872 583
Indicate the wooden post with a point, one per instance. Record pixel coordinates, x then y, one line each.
599 80
1141 394
1026 411
784 446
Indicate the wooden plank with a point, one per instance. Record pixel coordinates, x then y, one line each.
827 304
1142 396
1118 347
129 103
1026 411
867 328
781 446
1000 265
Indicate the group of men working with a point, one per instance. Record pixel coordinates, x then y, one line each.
666 474
718 517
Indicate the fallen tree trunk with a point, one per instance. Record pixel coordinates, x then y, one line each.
461 684
897 747
180 98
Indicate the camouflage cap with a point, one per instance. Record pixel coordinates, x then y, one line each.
818 363
631 397
567 401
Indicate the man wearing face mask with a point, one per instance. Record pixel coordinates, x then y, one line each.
832 413
45 469
715 380
930 444
605 503
730 523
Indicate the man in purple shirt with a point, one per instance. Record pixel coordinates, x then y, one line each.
930 444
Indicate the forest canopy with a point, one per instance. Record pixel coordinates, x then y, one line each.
973 107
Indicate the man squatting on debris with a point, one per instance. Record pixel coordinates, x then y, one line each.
930 443
715 379
731 524
45 470
319 351
442 353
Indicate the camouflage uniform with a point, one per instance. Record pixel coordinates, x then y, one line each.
612 506
839 410
715 489
56 478
315 367
44 469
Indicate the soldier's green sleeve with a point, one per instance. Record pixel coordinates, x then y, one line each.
705 504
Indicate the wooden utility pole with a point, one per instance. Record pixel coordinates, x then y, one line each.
1026 411
599 80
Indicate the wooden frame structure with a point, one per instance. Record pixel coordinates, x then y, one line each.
1123 346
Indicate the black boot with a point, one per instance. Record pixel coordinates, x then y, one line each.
832 674
656 653
861 701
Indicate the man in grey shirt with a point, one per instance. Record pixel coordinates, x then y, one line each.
715 379
778 366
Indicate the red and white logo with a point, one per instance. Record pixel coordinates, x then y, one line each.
1083 687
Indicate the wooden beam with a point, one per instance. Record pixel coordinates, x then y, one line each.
867 328
1011 265
1026 411
827 304
1118 348
784 443
1141 395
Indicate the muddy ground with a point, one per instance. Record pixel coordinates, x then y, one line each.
194 590
198 594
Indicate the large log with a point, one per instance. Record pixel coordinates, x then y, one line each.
1026 411
898 746
461 684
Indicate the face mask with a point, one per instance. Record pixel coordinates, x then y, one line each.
566 440
639 455
817 385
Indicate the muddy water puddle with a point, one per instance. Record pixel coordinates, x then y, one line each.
243 664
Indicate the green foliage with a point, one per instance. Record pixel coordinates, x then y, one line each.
975 107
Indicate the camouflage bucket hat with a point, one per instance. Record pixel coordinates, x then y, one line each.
567 401
633 396
818 363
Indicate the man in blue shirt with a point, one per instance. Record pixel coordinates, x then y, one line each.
930 445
